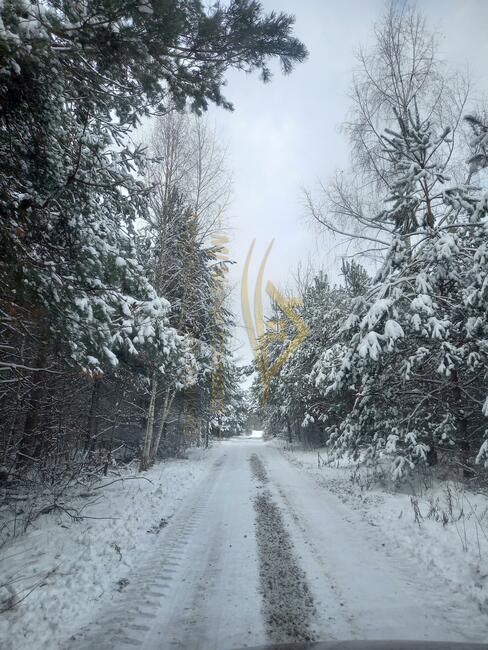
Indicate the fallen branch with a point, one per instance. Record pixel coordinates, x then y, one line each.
124 478
76 517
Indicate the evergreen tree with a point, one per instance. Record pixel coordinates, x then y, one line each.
75 300
412 357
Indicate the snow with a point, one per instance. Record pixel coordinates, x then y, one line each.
188 559
376 313
79 566
393 330
482 456
370 346
145 8
120 262
110 356
450 557
422 303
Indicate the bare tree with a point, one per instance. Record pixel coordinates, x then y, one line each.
400 75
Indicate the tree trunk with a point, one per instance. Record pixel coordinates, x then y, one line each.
207 432
288 426
465 448
462 430
168 400
92 424
28 443
432 458
146 451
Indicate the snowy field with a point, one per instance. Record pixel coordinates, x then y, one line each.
244 544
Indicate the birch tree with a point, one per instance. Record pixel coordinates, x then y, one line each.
402 68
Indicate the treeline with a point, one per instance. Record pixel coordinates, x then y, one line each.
113 324
395 365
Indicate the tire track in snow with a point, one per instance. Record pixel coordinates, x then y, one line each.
339 598
257 468
287 601
131 615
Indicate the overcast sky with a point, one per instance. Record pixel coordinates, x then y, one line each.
285 135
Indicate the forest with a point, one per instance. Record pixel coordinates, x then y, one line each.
394 368
115 328
164 483
116 318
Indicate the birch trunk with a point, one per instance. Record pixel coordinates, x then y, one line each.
168 400
146 452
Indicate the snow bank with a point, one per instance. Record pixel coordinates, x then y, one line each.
442 525
65 569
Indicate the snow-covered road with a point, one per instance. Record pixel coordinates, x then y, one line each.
258 552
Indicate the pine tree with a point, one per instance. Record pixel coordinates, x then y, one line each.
75 301
410 356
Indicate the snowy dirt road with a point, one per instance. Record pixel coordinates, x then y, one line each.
260 553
